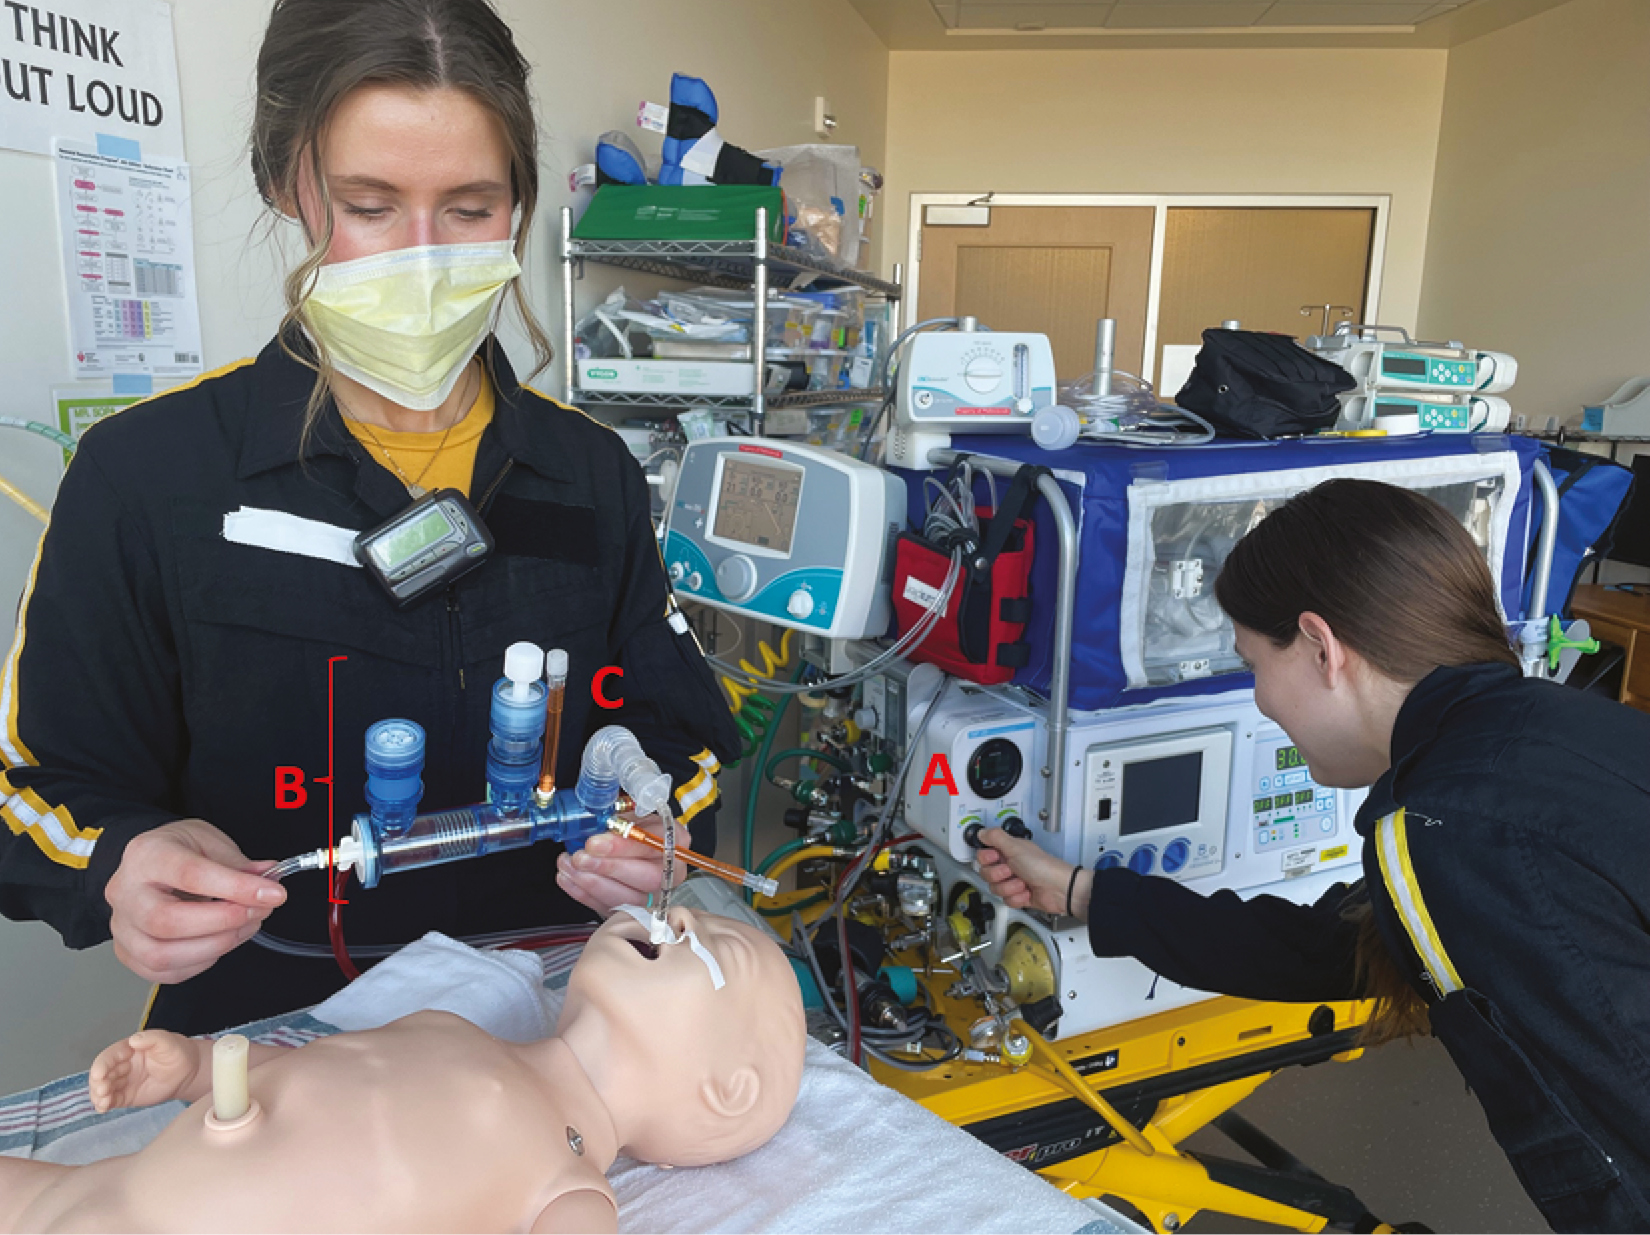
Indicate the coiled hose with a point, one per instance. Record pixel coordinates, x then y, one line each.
753 715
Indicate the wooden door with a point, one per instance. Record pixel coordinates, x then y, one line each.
1055 270
1259 265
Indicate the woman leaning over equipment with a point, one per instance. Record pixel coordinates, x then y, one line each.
167 664
1505 902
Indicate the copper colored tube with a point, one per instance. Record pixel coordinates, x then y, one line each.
733 874
552 739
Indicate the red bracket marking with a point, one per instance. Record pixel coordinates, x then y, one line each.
333 885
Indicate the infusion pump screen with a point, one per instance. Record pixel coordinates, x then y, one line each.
1161 793
757 504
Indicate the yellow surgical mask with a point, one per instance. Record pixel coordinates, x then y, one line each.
404 323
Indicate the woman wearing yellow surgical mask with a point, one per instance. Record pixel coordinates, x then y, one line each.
177 686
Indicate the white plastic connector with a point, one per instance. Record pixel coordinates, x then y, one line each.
347 854
555 667
523 665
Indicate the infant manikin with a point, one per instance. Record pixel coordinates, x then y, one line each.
681 1053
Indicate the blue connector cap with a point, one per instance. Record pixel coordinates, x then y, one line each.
394 760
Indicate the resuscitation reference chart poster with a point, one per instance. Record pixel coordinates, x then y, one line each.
128 252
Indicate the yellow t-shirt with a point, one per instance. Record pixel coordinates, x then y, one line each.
416 453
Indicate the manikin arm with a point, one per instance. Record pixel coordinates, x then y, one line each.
584 1209
155 1066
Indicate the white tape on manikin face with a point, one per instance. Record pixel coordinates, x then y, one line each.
661 934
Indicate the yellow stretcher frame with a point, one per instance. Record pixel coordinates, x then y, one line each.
1163 1078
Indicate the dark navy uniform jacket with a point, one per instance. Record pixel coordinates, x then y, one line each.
1507 859
164 672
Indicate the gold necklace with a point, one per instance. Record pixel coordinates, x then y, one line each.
414 488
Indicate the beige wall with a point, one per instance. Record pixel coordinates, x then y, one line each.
593 61
1540 240
1173 122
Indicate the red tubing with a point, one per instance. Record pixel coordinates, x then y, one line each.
335 926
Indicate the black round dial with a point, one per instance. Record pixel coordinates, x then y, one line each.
994 768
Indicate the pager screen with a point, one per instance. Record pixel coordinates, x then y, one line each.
757 504
1161 793
406 541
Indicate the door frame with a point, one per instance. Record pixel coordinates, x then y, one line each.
1380 203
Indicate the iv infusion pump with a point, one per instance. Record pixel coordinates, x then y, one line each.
785 533
1205 791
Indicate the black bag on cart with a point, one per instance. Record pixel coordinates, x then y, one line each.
1250 384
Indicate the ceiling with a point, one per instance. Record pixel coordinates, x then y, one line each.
979 25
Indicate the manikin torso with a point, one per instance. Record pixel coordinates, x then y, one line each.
426 1124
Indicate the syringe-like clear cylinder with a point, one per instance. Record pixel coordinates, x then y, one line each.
472 832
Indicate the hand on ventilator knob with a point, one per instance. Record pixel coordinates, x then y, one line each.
611 871
184 895
1023 875
149 1067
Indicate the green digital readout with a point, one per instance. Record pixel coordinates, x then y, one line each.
1302 797
418 535
1290 757
1262 804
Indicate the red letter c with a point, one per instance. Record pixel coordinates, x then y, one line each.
602 701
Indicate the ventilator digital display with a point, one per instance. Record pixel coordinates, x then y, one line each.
1302 797
1262 804
756 504
1290 757
428 545
1161 793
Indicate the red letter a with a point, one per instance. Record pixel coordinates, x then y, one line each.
939 773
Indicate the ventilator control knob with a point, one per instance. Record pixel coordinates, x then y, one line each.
736 576
1176 856
800 605
983 374
1142 859
1015 826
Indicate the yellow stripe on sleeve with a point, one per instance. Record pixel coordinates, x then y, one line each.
1398 873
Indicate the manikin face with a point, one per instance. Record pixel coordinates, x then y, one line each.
1311 691
408 167
721 1066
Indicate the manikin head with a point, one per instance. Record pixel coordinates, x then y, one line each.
1342 599
693 1074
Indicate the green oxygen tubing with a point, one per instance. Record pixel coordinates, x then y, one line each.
12 491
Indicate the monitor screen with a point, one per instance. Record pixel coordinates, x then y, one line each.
756 504
1631 542
1161 793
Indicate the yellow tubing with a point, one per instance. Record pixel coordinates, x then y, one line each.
791 859
29 504
1067 1077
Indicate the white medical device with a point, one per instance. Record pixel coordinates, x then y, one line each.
967 381
785 533
1404 413
1204 791
1417 386
1625 413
